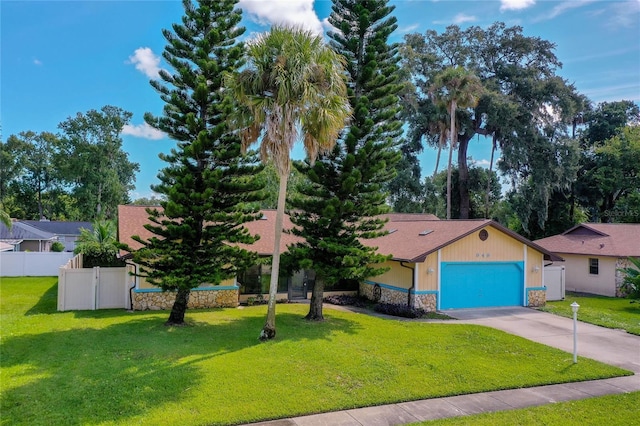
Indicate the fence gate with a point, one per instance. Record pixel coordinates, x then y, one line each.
90 289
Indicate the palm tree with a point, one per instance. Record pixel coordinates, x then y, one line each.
455 87
292 88
99 247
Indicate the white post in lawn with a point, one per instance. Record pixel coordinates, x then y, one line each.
574 308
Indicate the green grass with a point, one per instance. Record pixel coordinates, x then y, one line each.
610 312
585 412
112 367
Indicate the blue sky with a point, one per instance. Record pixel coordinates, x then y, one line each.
59 58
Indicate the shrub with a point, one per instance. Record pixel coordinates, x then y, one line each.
57 247
631 284
343 299
399 310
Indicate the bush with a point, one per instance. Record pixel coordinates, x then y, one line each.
631 285
57 247
342 300
399 310
97 255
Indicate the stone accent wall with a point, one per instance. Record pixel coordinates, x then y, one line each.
198 299
397 297
536 298
621 263
428 302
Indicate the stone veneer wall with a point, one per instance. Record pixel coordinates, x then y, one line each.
536 298
621 263
399 297
428 302
198 299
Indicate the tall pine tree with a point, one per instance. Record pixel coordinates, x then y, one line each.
344 197
207 183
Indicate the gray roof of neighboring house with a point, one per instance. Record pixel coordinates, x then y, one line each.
59 227
22 231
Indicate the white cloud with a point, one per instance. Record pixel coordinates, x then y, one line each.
625 14
481 163
146 61
562 7
408 28
461 18
143 131
37 61
296 12
515 4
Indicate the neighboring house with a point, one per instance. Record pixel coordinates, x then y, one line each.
6 247
593 254
435 265
24 237
65 232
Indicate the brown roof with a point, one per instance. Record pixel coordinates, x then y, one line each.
404 241
601 239
131 221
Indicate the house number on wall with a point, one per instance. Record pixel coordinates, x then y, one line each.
483 254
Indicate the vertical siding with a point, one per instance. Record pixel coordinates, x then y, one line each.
428 273
397 275
534 267
497 247
578 278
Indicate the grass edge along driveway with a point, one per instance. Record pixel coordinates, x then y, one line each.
113 367
609 312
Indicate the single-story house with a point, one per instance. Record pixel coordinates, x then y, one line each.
435 265
66 232
593 253
24 237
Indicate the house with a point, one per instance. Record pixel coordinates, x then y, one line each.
66 232
24 237
435 265
593 254
447 264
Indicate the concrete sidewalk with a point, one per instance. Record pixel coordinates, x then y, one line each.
614 347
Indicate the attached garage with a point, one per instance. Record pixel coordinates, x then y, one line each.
457 264
476 285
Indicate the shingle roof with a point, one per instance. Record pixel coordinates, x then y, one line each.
59 227
404 241
22 231
597 239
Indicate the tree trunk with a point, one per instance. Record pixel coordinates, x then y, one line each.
315 305
269 330
463 178
486 196
176 317
452 137
435 171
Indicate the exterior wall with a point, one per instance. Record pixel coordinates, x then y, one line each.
427 276
222 297
35 245
497 247
396 276
534 268
578 278
536 298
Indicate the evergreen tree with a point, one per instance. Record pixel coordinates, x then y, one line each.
342 201
207 184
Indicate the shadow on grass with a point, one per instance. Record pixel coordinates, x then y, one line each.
48 302
118 372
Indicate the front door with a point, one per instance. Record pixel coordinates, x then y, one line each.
298 285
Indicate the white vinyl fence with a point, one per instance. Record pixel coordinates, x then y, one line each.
92 288
35 264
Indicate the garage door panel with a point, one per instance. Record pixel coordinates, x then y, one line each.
482 284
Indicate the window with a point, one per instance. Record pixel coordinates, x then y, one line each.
593 266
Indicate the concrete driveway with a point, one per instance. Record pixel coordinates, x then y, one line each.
615 347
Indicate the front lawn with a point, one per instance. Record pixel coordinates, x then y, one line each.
114 367
584 412
610 312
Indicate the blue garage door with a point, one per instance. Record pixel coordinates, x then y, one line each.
479 285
